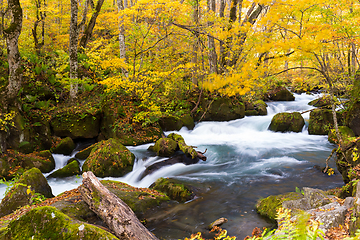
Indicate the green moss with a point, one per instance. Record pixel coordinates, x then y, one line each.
83 154
109 158
50 223
285 122
174 189
70 169
165 147
66 146
138 199
268 207
188 150
345 133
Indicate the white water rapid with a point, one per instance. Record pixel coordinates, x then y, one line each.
245 162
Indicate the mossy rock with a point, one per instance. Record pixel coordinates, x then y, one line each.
345 134
19 133
348 165
188 150
321 121
76 123
187 121
221 109
138 199
43 160
49 223
268 207
26 147
18 196
165 147
251 113
353 118
84 154
41 136
66 146
170 123
280 94
324 102
174 189
260 107
109 159
287 122
71 169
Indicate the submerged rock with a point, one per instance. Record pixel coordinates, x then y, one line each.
49 223
109 159
287 122
19 195
174 189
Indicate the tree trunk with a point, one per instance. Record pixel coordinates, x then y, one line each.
12 33
40 18
73 50
196 44
112 210
211 42
88 31
222 47
122 47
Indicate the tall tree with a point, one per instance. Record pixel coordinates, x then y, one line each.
40 19
73 50
211 41
122 5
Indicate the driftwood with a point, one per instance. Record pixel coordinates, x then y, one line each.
112 210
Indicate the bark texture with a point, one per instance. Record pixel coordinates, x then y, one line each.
112 210
12 33
73 50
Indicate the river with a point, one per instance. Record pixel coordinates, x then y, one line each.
245 162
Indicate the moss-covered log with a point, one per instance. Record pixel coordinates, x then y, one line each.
112 210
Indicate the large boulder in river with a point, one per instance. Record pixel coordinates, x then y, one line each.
353 118
323 102
221 109
70 169
65 146
280 94
109 159
43 160
76 123
19 195
321 121
287 122
49 223
255 108
165 147
172 123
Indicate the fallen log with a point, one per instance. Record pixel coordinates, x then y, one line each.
112 210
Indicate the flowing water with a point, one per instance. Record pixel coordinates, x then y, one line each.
245 162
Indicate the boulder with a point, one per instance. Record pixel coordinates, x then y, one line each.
43 160
287 122
221 109
109 159
66 146
49 223
280 94
165 147
70 169
170 123
345 133
255 108
19 196
321 121
353 118
41 135
348 160
174 189
76 123
269 206
188 121
321 102
84 154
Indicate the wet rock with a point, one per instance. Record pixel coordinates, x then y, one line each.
170 123
71 169
174 189
66 146
280 94
255 108
165 147
84 154
19 196
188 121
80 123
49 223
287 122
218 223
109 159
42 160
347 161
